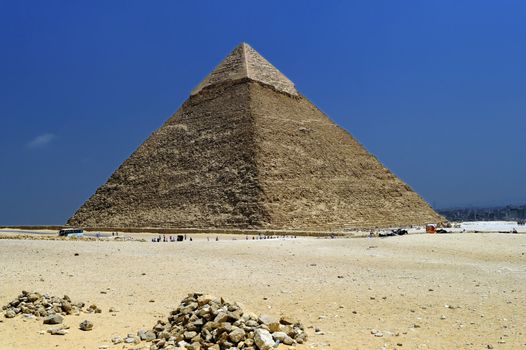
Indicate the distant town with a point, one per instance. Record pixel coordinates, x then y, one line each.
506 213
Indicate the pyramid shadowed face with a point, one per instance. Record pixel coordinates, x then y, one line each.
247 151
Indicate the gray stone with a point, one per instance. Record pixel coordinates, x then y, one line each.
9 313
263 339
146 335
53 319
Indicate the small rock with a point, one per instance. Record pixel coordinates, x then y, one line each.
286 320
86 325
57 331
263 339
376 333
53 319
10 313
283 338
116 339
146 335
266 319
237 335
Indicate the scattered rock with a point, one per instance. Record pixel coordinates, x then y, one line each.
57 331
93 309
53 319
376 333
86 325
130 340
116 340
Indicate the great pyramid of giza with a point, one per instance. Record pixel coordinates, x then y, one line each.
246 150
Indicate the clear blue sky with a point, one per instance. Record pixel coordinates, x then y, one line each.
435 89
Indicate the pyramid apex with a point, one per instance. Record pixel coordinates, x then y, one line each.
245 62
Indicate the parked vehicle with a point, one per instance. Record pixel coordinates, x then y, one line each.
71 232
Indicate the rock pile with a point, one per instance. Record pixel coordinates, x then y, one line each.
206 322
51 308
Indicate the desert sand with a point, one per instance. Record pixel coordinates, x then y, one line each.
453 291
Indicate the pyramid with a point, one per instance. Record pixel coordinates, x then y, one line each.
247 151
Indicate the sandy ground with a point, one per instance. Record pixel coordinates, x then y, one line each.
455 291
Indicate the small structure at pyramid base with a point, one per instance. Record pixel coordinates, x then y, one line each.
247 151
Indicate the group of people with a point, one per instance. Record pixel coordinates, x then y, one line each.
163 238
179 238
